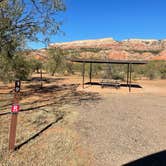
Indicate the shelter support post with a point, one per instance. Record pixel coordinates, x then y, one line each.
130 77
83 74
41 78
90 73
127 74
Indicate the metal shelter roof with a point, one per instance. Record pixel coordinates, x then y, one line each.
141 62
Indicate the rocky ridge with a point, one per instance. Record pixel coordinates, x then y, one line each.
131 49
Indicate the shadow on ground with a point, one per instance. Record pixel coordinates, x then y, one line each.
157 159
46 80
121 85
54 95
70 95
48 99
50 88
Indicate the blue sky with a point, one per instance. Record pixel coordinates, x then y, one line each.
119 19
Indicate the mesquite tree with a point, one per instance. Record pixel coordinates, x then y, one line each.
26 20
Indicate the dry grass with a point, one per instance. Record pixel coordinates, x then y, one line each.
39 108
58 146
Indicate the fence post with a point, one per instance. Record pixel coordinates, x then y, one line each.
14 113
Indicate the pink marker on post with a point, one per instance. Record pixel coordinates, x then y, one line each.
15 108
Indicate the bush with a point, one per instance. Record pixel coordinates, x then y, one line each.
6 73
154 52
36 65
56 62
13 68
21 67
153 70
163 70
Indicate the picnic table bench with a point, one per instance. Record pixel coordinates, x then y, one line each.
111 83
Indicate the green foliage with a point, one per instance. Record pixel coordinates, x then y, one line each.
6 73
17 67
96 69
155 52
153 70
21 67
36 65
22 21
69 67
150 70
118 71
94 50
56 62
162 70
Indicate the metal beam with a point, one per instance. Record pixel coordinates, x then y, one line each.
109 61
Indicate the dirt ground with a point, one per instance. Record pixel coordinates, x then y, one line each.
125 126
100 127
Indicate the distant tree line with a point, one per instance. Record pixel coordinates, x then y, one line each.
58 64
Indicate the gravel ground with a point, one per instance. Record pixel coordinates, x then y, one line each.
113 131
123 127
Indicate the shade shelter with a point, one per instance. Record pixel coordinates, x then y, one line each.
129 64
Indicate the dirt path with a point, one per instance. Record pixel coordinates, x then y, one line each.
123 127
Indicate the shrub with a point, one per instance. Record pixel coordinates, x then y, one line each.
13 68
36 65
6 73
154 52
56 62
153 70
163 70
21 67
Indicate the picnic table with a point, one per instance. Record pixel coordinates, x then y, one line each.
112 83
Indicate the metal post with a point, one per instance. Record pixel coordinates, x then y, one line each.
127 74
14 111
83 74
130 77
90 73
41 78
